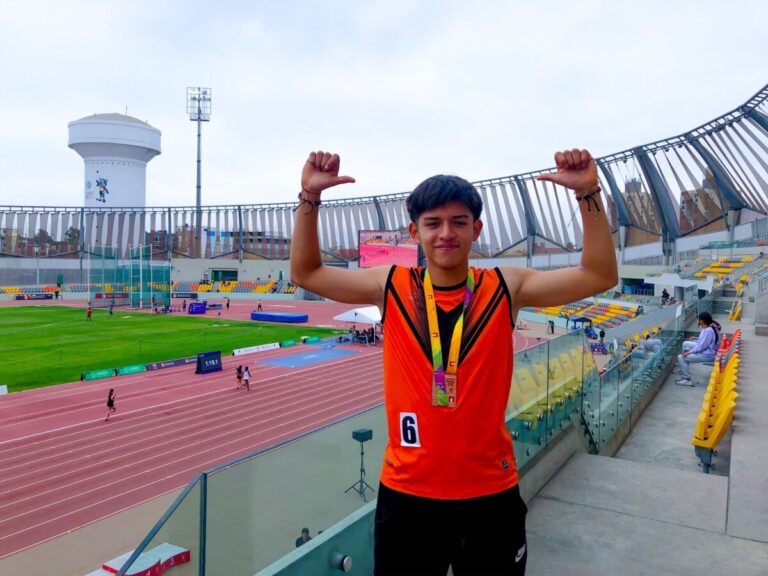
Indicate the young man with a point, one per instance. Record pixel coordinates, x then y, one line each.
449 477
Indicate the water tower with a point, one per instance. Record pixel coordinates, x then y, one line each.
116 149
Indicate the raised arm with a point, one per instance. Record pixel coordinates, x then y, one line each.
577 171
321 171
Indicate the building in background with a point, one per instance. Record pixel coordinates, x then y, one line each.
116 149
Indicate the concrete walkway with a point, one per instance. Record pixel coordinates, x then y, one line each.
651 510
748 491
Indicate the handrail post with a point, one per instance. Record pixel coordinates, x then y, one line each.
203 510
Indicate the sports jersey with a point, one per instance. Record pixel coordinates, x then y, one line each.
448 452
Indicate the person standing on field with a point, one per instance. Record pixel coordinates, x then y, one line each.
247 378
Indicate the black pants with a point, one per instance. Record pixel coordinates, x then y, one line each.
478 536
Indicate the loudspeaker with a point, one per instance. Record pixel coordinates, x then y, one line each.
362 435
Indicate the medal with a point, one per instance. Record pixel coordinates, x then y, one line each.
445 380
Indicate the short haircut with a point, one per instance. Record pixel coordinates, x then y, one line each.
305 530
438 191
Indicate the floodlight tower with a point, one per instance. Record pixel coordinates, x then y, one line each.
199 110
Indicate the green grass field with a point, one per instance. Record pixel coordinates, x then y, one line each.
44 345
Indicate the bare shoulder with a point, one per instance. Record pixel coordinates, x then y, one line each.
514 277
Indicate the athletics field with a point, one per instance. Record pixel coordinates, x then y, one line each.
44 345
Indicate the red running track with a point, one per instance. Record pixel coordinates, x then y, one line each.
63 467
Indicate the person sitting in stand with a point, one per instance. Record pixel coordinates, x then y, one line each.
704 349
651 345
304 538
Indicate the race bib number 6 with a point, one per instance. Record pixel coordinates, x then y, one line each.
409 430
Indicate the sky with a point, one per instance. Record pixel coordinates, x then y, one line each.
400 89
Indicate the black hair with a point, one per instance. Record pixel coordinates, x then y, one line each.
706 317
438 191
303 530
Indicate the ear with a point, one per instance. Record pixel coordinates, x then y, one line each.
413 230
477 227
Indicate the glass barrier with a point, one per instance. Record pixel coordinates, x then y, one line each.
528 403
175 539
246 516
609 407
591 395
546 393
565 381
625 376
258 507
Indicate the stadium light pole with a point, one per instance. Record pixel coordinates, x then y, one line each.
199 110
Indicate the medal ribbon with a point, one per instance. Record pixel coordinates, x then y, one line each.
434 334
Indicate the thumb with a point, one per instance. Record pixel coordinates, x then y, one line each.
343 180
547 177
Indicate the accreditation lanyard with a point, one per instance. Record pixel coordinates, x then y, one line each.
444 378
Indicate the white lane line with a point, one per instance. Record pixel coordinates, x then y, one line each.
170 403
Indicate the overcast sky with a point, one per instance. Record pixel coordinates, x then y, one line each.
401 89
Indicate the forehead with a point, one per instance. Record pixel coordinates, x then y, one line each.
447 211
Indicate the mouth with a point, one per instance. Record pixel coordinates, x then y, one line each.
446 248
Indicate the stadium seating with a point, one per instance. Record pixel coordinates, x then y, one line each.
724 267
546 393
564 311
227 286
607 315
719 402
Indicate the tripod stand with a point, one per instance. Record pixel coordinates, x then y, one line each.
360 486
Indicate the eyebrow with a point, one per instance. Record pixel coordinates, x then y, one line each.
458 217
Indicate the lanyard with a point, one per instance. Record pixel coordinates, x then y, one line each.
441 396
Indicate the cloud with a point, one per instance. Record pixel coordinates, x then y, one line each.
402 89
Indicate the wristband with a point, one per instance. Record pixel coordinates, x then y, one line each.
304 200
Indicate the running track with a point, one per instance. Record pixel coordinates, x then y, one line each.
63 467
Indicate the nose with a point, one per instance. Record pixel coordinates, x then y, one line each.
446 231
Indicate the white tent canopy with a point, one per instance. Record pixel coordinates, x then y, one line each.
366 314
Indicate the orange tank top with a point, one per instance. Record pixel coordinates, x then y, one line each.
441 452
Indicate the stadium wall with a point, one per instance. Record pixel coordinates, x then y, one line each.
33 271
38 271
195 269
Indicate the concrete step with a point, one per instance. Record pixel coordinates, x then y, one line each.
689 498
748 503
611 516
